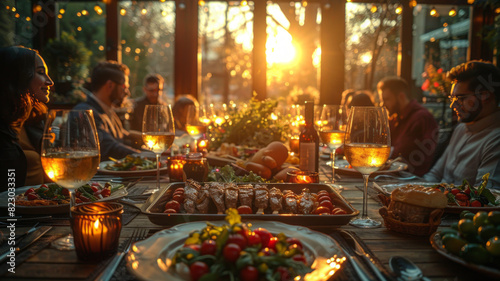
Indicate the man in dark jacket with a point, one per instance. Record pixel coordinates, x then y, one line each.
413 128
153 90
110 87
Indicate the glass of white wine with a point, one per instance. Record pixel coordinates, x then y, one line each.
367 147
332 129
158 132
70 154
194 125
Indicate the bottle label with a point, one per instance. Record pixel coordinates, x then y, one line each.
307 156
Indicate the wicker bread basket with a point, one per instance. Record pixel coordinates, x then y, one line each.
421 229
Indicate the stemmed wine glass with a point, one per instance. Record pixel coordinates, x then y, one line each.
158 132
194 126
70 153
367 147
332 129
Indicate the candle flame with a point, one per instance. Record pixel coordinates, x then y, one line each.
96 224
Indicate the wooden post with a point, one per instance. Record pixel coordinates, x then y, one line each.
44 23
113 34
259 50
332 52
405 49
478 48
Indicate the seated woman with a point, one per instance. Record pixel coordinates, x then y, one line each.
23 74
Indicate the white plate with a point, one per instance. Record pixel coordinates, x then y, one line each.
51 209
137 173
151 259
388 188
342 166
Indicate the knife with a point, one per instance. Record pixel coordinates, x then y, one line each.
26 242
366 256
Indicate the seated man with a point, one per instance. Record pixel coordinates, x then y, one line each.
413 128
110 86
153 90
474 148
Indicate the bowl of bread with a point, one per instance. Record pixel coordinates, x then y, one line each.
413 209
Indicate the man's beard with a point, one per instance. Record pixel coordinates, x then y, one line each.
116 98
469 115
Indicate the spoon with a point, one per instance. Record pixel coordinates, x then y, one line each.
405 269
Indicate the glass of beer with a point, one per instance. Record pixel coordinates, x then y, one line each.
367 147
194 124
158 132
332 129
70 153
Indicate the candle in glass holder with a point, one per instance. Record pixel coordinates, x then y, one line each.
202 145
303 177
96 228
195 167
175 165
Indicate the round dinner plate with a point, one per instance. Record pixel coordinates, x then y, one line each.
388 188
342 166
138 173
438 246
151 259
50 209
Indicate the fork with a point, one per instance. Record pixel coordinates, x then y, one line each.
137 235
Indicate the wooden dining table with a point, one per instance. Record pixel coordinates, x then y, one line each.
43 262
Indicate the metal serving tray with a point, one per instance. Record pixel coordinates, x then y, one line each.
154 207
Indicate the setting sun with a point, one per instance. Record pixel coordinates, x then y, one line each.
280 49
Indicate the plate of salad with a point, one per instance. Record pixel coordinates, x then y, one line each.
131 165
53 199
218 251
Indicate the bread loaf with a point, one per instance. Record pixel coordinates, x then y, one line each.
414 203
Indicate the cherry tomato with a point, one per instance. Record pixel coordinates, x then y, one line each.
253 239
249 273
323 193
31 190
208 247
299 258
33 196
264 235
237 239
322 198
178 197
170 211
231 252
105 192
94 188
326 203
476 203
467 190
178 192
179 189
244 210
295 241
173 205
454 191
321 210
272 243
285 275
462 196
463 203
198 269
338 211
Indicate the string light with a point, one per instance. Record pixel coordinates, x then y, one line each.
79 28
497 10
201 3
85 12
434 12
59 16
14 9
373 9
98 9
245 3
28 19
470 2
37 8
304 3
413 3
62 11
144 11
452 12
164 13
78 14
123 11
399 10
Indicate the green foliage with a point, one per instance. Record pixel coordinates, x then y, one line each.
252 126
67 57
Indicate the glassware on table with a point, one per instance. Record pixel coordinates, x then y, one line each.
70 154
158 132
194 125
367 147
333 122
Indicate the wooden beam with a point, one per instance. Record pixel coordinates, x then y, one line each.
259 50
44 23
186 48
405 49
113 32
478 48
332 35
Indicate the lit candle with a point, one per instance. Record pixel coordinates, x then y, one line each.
175 165
303 177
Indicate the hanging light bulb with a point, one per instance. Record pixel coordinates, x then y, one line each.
373 9
452 12
304 3
434 12
98 9
144 11
497 11
470 2
413 3
123 11
399 10
201 3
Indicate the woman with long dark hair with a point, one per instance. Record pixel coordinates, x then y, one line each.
23 76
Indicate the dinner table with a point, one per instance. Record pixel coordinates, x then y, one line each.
40 261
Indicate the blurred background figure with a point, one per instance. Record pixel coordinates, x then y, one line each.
24 81
153 91
414 130
179 112
360 98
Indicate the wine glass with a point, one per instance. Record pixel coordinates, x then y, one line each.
158 132
70 154
367 147
194 126
332 129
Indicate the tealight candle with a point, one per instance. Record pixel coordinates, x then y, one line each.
303 177
175 165
96 229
